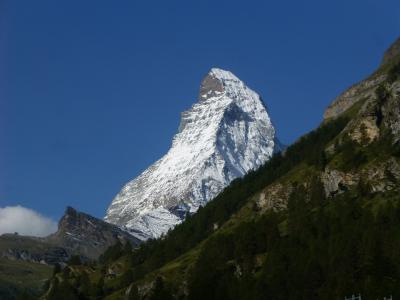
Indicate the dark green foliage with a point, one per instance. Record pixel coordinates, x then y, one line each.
127 248
224 267
25 295
364 189
394 73
114 252
317 192
83 285
126 278
62 290
96 289
382 94
331 250
74 260
352 155
322 160
133 293
311 147
56 269
159 292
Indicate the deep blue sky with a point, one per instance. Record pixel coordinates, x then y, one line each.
91 91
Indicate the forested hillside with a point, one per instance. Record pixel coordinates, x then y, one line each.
319 221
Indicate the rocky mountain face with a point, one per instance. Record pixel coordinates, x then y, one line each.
82 234
31 249
354 94
366 88
374 110
227 133
78 234
375 101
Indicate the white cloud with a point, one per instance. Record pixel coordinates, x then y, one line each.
25 221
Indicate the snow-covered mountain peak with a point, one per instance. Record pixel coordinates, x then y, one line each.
221 137
217 82
224 76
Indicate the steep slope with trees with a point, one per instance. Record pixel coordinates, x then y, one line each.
320 221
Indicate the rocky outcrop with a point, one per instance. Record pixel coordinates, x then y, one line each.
82 234
274 197
365 88
51 256
336 182
31 249
391 110
379 177
356 93
384 176
211 86
381 109
365 131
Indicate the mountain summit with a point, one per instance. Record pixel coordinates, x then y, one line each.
227 133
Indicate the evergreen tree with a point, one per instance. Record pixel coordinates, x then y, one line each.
159 292
74 260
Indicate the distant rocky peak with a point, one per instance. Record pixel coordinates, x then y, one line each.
88 236
68 218
72 219
70 212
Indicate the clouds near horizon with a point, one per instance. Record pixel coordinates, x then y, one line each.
25 221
